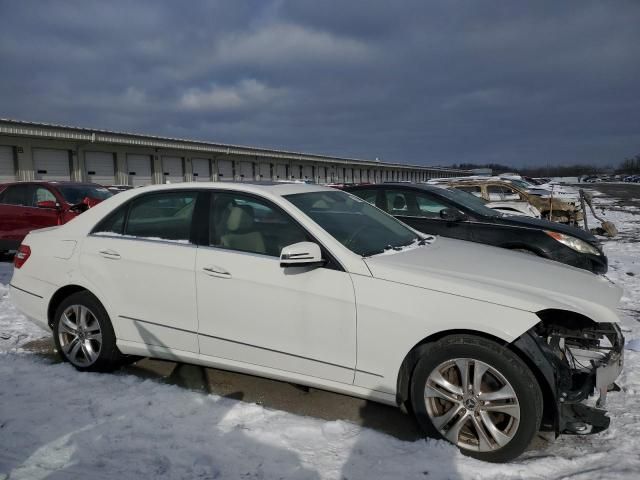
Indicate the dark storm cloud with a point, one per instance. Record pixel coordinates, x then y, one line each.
426 82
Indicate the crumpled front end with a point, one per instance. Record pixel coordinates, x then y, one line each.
581 361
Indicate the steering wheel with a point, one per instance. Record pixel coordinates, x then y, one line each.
351 240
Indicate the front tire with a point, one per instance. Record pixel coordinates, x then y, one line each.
83 334
478 395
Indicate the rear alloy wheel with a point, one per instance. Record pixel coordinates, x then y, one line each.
83 334
477 395
79 335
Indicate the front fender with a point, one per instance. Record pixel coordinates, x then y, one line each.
393 318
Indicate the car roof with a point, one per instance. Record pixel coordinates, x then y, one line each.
53 183
273 188
416 186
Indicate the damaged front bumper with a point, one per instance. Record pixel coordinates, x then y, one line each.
580 361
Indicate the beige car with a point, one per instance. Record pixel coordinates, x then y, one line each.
555 208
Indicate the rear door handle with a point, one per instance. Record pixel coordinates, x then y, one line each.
215 271
111 254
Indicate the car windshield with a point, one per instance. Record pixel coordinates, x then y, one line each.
522 183
469 201
75 194
356 224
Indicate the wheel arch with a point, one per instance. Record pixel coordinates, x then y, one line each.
63 292
550 413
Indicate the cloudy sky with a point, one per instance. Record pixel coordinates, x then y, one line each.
427 82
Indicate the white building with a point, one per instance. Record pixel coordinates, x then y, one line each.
38 151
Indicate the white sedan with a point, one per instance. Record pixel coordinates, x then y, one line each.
311 285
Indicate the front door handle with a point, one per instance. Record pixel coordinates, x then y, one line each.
215 271
111 254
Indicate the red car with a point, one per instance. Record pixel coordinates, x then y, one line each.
27 206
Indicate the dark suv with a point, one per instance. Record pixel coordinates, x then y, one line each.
457 214
27 206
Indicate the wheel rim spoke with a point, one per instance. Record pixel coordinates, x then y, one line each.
484 444
68 324
463 367
500 438
454 432
511 409
76 347
437 378
440 393
505 393
479 369
441 421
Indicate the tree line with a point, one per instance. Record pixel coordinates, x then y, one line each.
627 166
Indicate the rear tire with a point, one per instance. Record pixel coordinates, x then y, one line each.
83 334
493 415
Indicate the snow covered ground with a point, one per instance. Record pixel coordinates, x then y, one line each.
56 423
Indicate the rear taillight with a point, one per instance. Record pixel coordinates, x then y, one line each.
21 256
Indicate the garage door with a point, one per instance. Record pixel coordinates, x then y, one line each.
322 174
139 170
265 172
51 164
100 167
172 169
281 171
307 172
225 170
7 165
246 171
201 169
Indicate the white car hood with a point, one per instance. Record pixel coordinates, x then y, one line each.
499 276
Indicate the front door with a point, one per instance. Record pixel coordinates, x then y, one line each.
421 211
140 260
252 310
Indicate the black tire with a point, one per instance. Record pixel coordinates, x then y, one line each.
109 357
507 364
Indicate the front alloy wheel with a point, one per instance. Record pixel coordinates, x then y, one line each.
477 394
472 405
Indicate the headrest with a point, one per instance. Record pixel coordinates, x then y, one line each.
399 203
240 218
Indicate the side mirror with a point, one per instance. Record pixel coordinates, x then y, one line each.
47 204
452 215
303 254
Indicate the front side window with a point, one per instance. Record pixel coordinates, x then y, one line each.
164 216
75 194
361 228
429 206
502 193
248 224
42 194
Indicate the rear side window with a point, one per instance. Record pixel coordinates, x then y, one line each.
369 196
474 189
16 195
114 223
163 216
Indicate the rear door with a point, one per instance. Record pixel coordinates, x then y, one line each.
13 224
141 260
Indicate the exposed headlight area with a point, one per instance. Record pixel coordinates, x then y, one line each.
574 243
585 358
